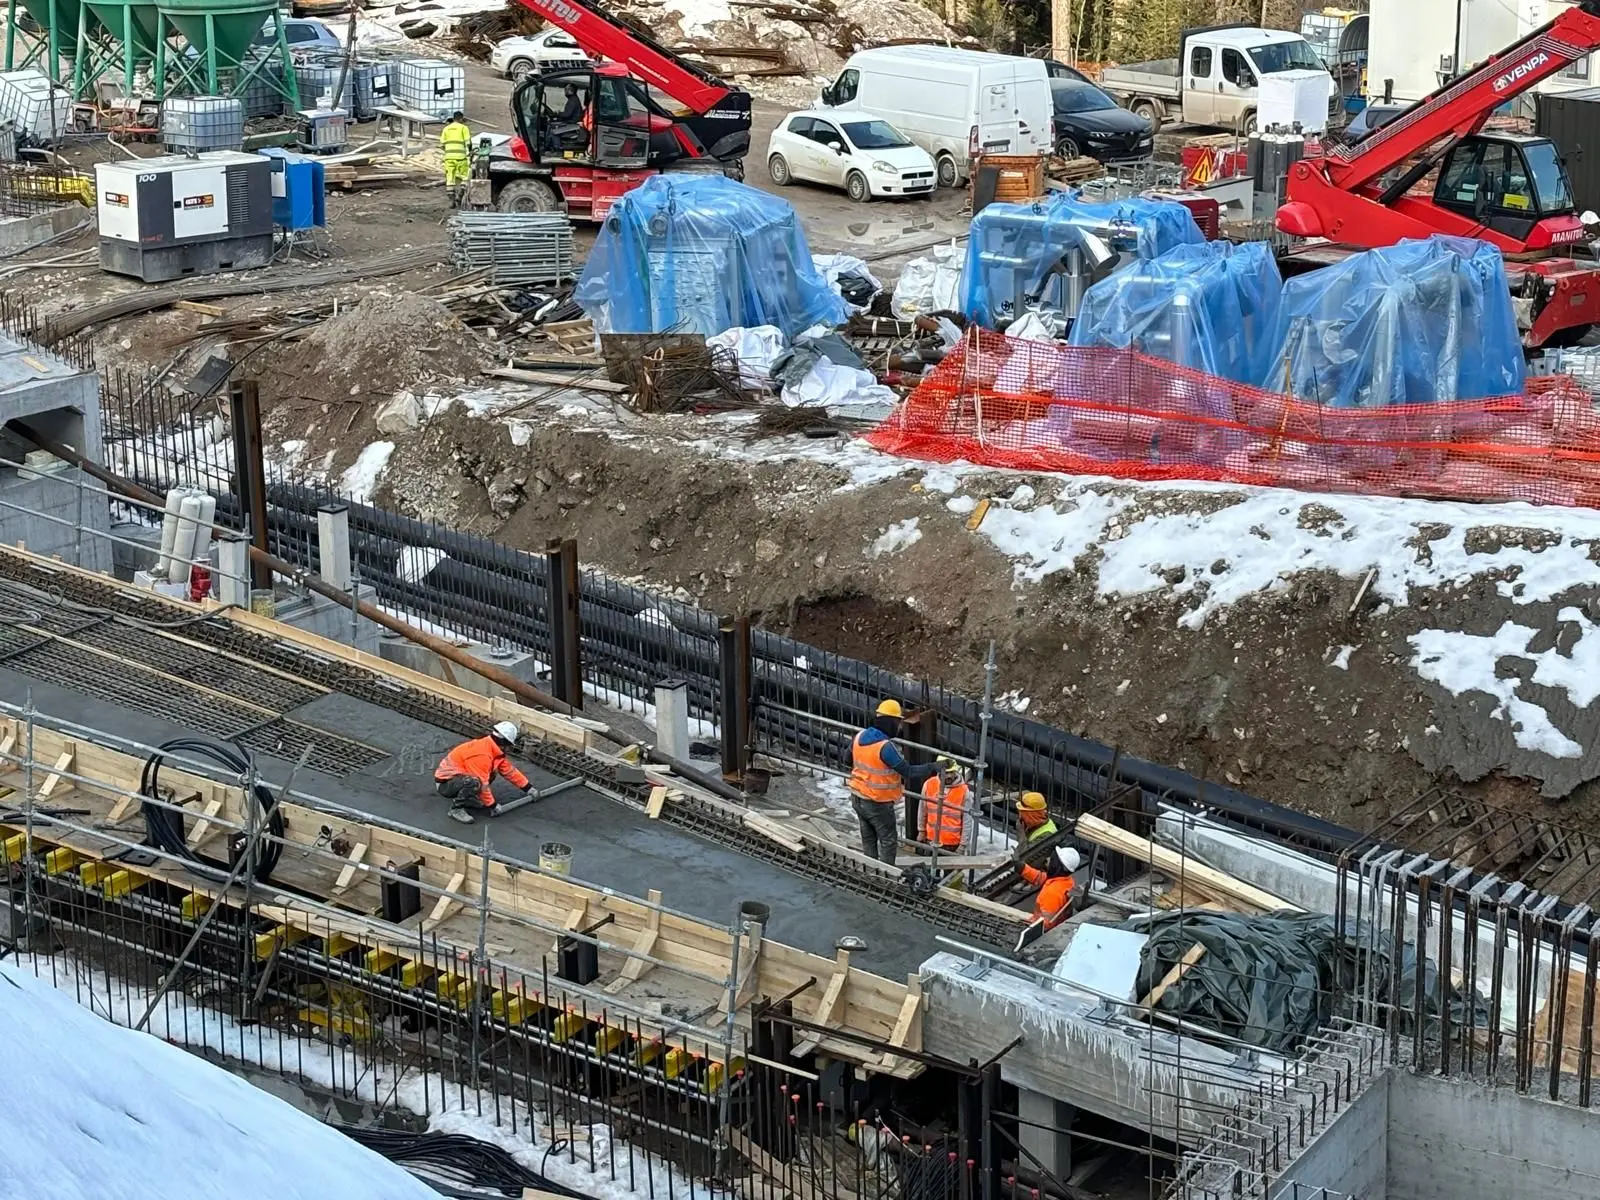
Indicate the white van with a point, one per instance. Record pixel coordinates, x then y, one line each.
953 103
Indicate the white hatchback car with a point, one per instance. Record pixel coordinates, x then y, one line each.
548 50
863 154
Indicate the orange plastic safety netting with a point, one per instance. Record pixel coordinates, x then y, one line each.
1040 406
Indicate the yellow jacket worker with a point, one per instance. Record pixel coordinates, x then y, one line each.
455 139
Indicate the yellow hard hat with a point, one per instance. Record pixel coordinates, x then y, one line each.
890 708
1031 801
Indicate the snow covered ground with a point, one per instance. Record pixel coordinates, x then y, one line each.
221 1136
100 1112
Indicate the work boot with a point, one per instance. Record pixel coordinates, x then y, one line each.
459 813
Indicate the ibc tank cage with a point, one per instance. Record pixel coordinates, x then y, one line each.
701 254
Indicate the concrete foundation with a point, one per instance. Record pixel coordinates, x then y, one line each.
521 665
49 507
1422 1137
321 616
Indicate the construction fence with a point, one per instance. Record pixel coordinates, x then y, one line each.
1037 406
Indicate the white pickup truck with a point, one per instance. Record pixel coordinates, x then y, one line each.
1213 79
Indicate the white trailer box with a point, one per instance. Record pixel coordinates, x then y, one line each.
1287 98
163 218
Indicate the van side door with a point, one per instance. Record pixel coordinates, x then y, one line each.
1236 89
1200 81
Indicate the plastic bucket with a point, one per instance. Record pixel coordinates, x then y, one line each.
555 857
263 602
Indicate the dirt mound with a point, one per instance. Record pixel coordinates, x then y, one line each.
386 344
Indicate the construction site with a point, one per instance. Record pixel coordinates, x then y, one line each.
797 600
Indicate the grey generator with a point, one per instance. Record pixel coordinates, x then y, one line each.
185 214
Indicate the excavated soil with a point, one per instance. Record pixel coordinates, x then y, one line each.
1250 698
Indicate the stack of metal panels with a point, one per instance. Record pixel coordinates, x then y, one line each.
515 248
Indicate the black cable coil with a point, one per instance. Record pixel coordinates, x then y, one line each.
164 826
459 1158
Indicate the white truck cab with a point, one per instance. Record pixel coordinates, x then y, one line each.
1215 78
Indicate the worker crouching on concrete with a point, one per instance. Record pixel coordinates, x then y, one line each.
1055 884
944 804
1035 818
464 775
879 776
455 139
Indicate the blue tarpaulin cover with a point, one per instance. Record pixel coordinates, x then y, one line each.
1212 306
1415 323
701 254
1011 247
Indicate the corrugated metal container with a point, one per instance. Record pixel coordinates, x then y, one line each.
1572 121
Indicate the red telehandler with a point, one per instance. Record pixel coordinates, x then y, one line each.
585 136
1510 190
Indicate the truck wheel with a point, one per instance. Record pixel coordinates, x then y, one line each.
948 173
520 69
1148 110
856 187
778 170
527 196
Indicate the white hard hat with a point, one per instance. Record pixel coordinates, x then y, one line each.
507 732
1068 857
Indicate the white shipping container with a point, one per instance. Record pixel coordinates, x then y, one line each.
39 111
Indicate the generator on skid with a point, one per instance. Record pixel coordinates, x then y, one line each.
195 214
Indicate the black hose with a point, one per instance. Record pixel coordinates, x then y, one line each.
164 826
459 1158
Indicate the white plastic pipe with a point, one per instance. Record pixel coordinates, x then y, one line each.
183 541
169 529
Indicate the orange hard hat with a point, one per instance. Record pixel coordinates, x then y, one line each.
890 708
1031 802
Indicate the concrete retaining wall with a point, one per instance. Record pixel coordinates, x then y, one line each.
1348 1158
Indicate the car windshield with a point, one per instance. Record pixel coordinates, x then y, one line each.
1286 56
1080 97
875 135
1549 177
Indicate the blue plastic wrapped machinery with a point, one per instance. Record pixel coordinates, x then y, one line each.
701 254
1212 306
1415 323
1016 252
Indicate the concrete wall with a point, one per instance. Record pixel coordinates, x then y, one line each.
1449 1140
62 402
1348 1157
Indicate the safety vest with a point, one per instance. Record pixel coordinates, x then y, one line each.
480 758
941 814
1048 829
870 777
456 141
1055 895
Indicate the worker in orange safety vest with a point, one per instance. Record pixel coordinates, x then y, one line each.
1055 884
879 776
944 803
464 774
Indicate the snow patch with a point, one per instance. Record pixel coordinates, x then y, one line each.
1463 662
361 478
897 537
417 561
1341 659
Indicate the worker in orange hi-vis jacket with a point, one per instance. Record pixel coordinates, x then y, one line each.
1055 884
465 773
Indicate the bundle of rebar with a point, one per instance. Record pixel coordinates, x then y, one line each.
680 378
513 248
